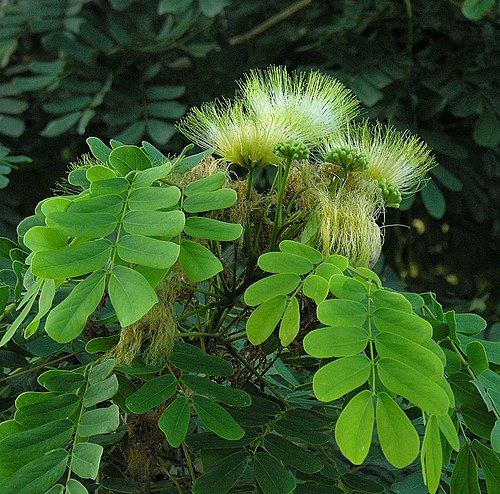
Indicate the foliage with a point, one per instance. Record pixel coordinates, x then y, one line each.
190 333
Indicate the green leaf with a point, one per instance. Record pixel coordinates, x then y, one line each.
198 262
99 149
412 385
434 200
153 198
354 428
66 321
366 91
302 250
345 287
487 128
327 270
165 92
174 421
432 455
477 9
148 177
201 227
83 225
125 159
152 394
476 356
101 371
340 377
449 431
264 319
281 262
495 436
398 438
271 475
39 475
22 447
48 409
100 391
206 184
61 380
469 323
291 454
154 223
75 487
41 238
147 251
412 354
108 186
60 125
391 300
210 201
315 287
190 358
45 300
222 475
72 261
85 460
130 294
160 131
218 392
490 464
341 313
290 324
217 419
340 341
464 479
409 326
99 421
268 288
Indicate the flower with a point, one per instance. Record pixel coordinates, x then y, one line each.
314 104
394 157
235 135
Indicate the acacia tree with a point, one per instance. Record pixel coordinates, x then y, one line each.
190 333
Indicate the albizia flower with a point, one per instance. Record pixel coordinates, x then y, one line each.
394 157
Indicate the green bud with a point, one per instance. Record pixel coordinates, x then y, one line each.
292 150
349 159
390 193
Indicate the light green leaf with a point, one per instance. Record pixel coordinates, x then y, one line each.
111 204
341 313
99 421
264 319
146 251
354 428
198 262
464 479
432 455
85 460
75 487
391 300
100 391
208 228
210 201
412 385
271 475
338 261
174 421
410 353
66 321
337 341
398 438
449 431
290 324
327 270
267 288
340 377
315 287
83 225
281 262
109 186
154 223
469 323
348 288
302 250
206 184
130 294
125 159
45 300
147 177
476 356
99 149
39 475
152 394
153 198
42 238
72 261
217 419
403 324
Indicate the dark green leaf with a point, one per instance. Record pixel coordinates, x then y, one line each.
271 476
174 421
152 394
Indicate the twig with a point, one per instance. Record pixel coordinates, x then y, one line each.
269 23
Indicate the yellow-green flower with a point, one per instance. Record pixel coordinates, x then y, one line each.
398 158
235 135
314 104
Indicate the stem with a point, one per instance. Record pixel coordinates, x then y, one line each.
370 336
278 215
189 462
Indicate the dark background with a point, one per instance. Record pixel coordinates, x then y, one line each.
128 69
